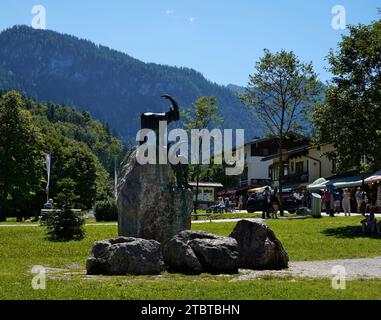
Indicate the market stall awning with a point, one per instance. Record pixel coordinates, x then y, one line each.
257 190
375 177
294 186
319 184
346 182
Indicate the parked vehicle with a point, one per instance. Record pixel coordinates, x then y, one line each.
215 208
218 208
290 204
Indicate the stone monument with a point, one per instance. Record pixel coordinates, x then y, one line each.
154 200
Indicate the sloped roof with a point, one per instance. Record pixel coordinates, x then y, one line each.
288 153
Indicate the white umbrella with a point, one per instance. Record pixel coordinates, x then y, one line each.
318 184
375 177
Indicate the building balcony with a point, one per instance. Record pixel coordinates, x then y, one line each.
296 178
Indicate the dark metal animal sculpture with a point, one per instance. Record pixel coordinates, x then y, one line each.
151 120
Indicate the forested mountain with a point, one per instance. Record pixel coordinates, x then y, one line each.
236 89
114 87
63 122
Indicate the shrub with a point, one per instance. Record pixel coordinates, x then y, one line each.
106 210
65 225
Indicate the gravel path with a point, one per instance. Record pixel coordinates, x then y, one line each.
355 269
369 268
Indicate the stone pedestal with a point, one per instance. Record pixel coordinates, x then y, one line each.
150 203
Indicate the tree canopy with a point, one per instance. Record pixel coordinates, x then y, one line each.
20 153
350 117
83 154
281 93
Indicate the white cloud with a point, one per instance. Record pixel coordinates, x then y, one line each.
168 12
192 19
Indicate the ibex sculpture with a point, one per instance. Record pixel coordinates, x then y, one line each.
151 120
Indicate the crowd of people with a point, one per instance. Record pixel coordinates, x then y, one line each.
365 200
351 200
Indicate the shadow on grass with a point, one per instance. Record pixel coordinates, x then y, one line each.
350 232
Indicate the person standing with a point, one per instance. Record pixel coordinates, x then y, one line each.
372 197
378 203
240 202
336 201
331 201
304 199
275 203
227 204
346 202
245 198
326 200
359 199
266 203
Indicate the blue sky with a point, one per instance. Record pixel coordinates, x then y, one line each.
220 38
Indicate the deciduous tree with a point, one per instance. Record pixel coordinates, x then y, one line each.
280 93
21 159
350 117
202 115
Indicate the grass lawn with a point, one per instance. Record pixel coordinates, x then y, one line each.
327 238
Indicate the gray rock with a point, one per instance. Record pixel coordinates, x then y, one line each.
195 252
122 256
151 205
259 249
180 257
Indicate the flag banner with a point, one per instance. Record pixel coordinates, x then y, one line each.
116 185
47 165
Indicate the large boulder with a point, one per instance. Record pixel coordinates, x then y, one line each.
259 248
153 202
125 256
194 252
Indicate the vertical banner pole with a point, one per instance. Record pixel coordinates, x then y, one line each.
115 181
48 165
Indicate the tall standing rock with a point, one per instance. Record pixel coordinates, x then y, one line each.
151 205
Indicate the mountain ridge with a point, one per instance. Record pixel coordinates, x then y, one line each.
113 86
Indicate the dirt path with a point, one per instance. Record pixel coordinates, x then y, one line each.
354 269
369 268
